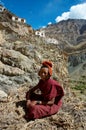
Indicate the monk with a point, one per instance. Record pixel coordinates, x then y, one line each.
50 99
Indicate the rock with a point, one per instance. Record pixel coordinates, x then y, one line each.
3 95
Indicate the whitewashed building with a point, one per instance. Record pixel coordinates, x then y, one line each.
2 8
16 19
52 40
40 33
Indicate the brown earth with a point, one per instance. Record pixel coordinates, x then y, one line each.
72 115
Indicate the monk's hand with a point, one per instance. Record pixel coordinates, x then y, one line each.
30 103
38 102
33 103
44 103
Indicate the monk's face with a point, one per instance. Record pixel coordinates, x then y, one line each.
44 73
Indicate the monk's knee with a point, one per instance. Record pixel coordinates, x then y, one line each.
32 107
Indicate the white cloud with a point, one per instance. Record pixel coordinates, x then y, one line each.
76 12
49 23
43 26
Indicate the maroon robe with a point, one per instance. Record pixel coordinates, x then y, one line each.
49 89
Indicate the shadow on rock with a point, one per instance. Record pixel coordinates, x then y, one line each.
21 104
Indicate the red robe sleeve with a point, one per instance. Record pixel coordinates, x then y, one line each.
60 93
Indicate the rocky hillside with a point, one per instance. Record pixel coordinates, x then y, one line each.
21 54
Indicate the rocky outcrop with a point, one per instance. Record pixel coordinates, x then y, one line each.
3 94
20 62
13 29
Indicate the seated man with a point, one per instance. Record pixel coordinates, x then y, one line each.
50 99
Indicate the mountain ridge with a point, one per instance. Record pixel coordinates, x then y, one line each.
71 37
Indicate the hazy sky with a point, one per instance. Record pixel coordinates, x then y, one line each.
40 13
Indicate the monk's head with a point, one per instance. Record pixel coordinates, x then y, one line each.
45 70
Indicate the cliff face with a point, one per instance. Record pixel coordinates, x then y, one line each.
13 25
21 54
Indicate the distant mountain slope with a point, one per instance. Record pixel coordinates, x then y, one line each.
71 37
73 31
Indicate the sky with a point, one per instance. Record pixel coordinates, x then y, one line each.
40 13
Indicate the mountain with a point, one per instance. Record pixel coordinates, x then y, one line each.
71 37
72 30
22 50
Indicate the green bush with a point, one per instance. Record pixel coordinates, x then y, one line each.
82 88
